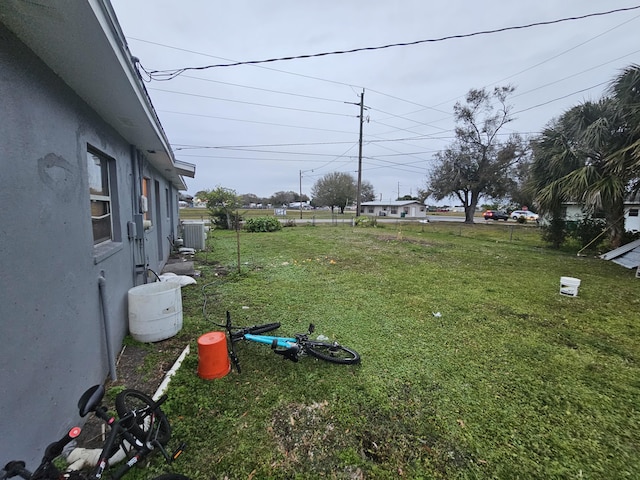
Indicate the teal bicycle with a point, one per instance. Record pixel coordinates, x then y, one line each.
291 348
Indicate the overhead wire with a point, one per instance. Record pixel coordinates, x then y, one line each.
280 92
376 91
398 116
564 52
250 103
165 75
257 122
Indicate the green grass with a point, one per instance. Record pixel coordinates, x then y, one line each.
473 366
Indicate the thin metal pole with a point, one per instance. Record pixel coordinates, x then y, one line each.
360 155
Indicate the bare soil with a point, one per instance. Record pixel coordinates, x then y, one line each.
133 370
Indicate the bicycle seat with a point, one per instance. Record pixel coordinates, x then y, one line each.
90 399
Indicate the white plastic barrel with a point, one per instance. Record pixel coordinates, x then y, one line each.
569 286
155 311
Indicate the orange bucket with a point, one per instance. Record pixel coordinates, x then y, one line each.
213 359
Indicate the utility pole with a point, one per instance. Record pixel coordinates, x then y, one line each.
300 195
360 155
359 189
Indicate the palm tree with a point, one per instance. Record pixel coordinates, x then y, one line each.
574 162
625 89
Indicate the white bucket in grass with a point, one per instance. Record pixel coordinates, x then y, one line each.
569 286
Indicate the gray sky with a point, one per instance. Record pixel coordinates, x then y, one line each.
257 126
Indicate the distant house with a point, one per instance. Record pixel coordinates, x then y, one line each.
397 208
89 194
575 212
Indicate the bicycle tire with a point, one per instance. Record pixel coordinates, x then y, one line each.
267 327
129 400
255 330
332 352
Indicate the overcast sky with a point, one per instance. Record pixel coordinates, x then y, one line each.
254 128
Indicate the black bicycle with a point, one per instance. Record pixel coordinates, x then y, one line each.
291 348
140 429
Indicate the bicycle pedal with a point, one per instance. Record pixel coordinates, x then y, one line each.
178 451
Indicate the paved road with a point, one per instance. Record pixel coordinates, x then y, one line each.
340 219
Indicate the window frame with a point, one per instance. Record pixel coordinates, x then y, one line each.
104 247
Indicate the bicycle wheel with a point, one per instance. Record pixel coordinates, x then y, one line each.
267 327
256 330
332 352
130 400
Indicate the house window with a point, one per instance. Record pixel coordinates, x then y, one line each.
98 168
394 211
144 204
371 210
633 212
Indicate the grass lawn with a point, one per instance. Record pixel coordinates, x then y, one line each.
473 366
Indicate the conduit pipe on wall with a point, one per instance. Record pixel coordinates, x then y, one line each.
102 285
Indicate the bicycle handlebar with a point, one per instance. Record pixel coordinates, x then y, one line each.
55 449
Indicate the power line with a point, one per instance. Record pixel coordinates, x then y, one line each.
566 51
561 98
263 89
515 74
262 159
183 146
249 103
575 74
163 75
256 121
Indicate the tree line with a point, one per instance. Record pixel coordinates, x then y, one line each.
589 155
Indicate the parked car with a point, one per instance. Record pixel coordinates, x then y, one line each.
495 215
528 215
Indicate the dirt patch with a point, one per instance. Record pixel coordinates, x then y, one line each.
139 366
400 238
308 437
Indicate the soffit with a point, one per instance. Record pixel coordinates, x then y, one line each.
83 44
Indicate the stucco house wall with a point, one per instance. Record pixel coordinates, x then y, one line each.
54 330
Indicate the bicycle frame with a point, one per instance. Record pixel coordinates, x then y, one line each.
275 342
118 435
291 348
125 432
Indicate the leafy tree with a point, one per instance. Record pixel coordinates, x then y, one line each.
477 163
221 202
367 193
283 198
249 198
335 190
201 195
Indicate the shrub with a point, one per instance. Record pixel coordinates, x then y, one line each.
262 224
555 232
364 221
224 220
588 230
